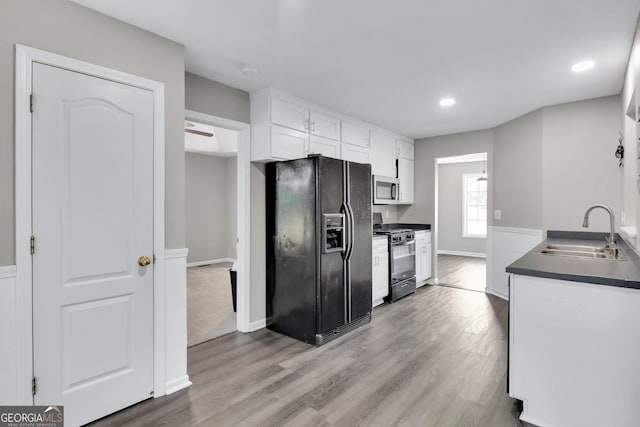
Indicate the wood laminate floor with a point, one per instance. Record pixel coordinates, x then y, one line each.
436 358
462 272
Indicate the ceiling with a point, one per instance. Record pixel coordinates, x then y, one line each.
221 143
390 62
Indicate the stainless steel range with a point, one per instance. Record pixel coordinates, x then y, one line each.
402 261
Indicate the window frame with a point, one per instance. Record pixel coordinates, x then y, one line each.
465 233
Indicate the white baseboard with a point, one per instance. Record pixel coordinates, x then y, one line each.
210 262
178 384
497 293
258 324
459 253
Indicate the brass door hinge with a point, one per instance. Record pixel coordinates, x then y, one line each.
34 386
32 245
31 103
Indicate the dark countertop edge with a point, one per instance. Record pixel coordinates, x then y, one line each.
410 226
607 281
626 250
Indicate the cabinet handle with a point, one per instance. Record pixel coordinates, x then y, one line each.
306 125
313 126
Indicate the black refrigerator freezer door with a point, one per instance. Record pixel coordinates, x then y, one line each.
360 262
292 230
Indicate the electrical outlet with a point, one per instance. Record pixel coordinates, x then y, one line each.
497 214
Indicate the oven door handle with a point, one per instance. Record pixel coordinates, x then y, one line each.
405 242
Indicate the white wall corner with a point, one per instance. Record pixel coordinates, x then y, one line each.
175 325
258 324
504 246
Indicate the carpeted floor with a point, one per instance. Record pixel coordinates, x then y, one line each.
209 303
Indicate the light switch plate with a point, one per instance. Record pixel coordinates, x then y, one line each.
497 214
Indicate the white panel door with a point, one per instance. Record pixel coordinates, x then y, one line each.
353 153
324 146
325 126
383 156
287 144
92 220
290 115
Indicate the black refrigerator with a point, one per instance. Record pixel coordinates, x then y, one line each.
318 214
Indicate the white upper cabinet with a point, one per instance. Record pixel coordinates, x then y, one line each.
325 146
353 153
383 154
405 177
290 115
288 144
355 134
404 149
284 127
324 125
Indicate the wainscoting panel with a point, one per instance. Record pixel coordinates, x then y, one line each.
504 246
8 337
176 320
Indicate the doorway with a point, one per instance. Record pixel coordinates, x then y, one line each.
211 230
461 208
217 225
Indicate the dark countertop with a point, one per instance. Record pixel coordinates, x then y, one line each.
625 273
405 225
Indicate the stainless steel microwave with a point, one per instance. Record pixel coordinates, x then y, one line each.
386 190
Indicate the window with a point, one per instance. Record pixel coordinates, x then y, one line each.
474 206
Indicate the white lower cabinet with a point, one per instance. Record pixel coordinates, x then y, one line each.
423 257
380 267
573 353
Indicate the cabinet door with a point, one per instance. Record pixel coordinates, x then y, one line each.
325 126
404 149
324 146
354 153
355 134
383 158
380 277
423 256
290 115
405 176
288 144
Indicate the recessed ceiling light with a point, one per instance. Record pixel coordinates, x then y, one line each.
447 102
582 66
248 70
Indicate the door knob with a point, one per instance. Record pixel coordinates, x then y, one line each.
143 261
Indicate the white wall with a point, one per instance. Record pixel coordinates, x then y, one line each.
630 95
450 209
210 209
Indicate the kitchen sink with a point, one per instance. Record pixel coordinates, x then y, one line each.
582 251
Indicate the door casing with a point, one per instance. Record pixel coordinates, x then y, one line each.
25 56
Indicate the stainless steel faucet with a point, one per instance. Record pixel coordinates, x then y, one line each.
612 235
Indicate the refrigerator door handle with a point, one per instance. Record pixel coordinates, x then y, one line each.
352 233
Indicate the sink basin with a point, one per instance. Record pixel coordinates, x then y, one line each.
581 251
